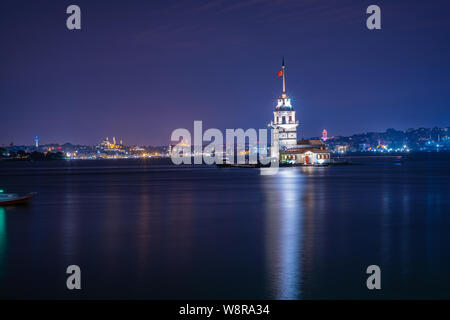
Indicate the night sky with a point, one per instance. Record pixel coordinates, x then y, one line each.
139 69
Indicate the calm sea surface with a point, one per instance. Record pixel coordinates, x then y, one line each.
146 229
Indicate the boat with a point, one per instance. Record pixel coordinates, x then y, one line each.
7 199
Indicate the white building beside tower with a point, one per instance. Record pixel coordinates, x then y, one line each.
284 122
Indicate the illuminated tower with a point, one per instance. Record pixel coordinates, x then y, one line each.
284 122
36 141
324 135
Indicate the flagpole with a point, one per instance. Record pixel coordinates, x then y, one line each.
284 81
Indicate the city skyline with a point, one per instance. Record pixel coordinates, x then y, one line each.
146 70
431 137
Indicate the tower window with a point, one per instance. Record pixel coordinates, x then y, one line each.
290 118
284 119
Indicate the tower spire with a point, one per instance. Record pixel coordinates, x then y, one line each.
284 80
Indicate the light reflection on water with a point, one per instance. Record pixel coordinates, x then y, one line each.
284 215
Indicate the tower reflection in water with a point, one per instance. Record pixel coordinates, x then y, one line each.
284 235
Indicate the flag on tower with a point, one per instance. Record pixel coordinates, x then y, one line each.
280 73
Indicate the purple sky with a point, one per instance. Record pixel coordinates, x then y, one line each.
139 69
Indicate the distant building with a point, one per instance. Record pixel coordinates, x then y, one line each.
324 135
183 147
341 148
306 152
107 148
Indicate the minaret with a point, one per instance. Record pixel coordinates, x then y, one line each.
284 122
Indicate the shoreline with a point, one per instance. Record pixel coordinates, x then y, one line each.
341 159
